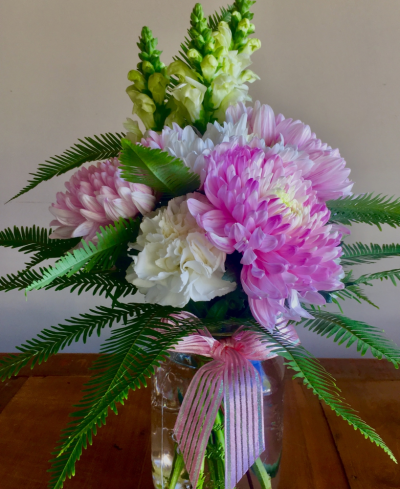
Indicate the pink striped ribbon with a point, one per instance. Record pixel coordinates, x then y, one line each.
229 376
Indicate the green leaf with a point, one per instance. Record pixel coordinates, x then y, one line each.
112 242
36 240
350 292
366 208
218 310
51 340
391 275
348 331
354 254
111 283
130 356
157 169
223 15
96 148
315 377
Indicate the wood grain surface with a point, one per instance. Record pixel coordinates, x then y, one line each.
320 451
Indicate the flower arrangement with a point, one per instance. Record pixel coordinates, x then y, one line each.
218 213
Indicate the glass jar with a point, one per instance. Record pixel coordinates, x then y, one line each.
169 385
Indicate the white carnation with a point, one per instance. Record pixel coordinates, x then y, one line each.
176 262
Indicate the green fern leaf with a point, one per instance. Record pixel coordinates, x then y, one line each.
353 254
111 283
157 169
348 331
112 242
315 377
96 148
391 275
36 240
223 15
131 354
51 340
350 292
366 208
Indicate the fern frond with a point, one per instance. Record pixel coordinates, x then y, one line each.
131 354
94 148
51 340
223 15
351 292
112 242
348 331
366 208
354 254
111 283
157 169
315 377
36 240
391 275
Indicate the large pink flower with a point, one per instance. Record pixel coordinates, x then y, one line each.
295 142
261 206
97 196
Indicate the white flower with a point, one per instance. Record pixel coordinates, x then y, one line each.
189 96
176 262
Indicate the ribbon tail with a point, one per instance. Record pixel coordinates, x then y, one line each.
197 416
244 423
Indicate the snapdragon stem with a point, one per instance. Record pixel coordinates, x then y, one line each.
262 475
177 467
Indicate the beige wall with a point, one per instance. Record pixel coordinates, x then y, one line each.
334 64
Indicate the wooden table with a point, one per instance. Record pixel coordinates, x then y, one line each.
320 450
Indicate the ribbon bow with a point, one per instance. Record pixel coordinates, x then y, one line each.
231 377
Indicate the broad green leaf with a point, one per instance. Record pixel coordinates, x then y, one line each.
157 169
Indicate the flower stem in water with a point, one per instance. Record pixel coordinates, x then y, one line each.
262 475
177 467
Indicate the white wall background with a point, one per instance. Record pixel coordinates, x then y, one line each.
334 64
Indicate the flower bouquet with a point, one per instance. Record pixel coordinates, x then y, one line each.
214 235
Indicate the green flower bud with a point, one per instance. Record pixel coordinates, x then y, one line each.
236 17
157 84
134 133
223 37
244 26
147 68
181 70
175 116
221 52
138 80
248 76
194 56
199 41
209 47
202 25
144 107
198 11
251 46
189 96
209 66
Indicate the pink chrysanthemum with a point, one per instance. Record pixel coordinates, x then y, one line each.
261 206
295 142
97 196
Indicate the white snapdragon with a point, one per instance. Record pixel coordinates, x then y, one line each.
190 96
176 262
